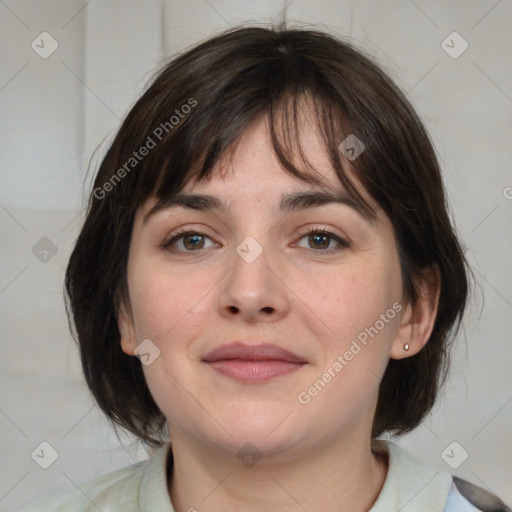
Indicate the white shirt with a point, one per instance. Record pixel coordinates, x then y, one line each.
410 486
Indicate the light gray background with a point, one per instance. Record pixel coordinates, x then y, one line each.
55 112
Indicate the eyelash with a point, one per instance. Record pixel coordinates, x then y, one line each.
177 235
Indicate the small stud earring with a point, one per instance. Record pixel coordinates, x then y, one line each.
406 346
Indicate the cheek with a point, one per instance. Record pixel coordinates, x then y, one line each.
167 305
359 311
169 310
348 301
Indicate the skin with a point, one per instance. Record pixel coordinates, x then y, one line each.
314 456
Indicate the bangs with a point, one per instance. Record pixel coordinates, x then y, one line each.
198 108
286 115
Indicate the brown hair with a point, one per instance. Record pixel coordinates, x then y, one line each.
197 107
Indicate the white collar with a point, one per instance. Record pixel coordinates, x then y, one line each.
411 485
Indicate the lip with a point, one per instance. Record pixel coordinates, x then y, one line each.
253 363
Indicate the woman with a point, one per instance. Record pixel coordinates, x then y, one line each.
268 275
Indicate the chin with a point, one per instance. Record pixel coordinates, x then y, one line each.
254 445
268 432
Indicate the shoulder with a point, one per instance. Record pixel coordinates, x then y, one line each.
412 485
119 490
465 496
123 484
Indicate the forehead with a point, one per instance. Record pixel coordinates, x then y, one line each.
253 168
250 170
252 159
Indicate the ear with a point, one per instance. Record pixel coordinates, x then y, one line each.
126 329
418 319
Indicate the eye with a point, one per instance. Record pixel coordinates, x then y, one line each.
321 239
186 241
191 241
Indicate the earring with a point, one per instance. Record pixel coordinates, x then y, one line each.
406 346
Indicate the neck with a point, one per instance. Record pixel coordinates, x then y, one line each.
334 477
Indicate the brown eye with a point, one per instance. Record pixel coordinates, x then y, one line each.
324 242
186 241
193 242
319 241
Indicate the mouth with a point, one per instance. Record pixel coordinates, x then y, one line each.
253 363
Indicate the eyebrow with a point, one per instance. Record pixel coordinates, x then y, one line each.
294 201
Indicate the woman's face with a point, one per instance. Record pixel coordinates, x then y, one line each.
254 274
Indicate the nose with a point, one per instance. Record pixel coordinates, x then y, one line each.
254 289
